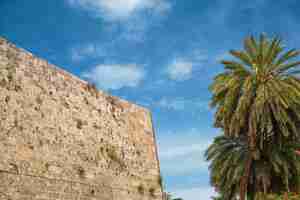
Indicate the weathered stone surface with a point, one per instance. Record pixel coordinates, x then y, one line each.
62 139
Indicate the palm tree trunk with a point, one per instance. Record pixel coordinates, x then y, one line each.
245 179
252 188
286 197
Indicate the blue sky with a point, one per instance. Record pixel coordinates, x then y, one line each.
161 54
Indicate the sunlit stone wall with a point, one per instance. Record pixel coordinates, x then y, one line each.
62 139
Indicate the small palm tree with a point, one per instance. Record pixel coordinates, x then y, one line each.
275 171
258 96
226 169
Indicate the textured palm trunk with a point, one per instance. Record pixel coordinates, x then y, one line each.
245 179
286 197
252 188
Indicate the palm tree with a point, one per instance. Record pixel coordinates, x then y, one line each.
226 169
275 171
258 96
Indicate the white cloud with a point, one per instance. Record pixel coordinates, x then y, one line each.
115 77
181 155
89 50
180 70
203 193
181 103
186 148
187 161
120 9
172 104
134 18
200 55
185 166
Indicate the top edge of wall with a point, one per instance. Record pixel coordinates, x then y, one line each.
66 73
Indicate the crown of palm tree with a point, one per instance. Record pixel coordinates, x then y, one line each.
259 92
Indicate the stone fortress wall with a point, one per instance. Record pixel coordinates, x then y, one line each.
62 139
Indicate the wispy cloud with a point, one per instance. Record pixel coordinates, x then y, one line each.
182 103
185 65
203 193
81 52
180 70
225 12
126 22
172 104
120 9
194 106
186 148
115 77
184 165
